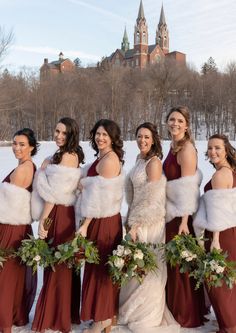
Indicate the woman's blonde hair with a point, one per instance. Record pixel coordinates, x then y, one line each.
188 136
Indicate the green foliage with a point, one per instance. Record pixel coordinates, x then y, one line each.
184 251
211 268
34 252
215 270
4 255
131 260
76 252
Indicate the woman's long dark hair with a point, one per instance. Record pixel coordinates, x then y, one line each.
114 133
72 141
156 149
188 136
229 149
29 133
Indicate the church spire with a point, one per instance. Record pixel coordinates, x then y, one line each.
125 42
162 17
162 33
141 15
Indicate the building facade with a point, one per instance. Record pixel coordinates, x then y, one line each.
143 54
50 69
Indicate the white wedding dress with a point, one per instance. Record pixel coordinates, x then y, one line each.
142 306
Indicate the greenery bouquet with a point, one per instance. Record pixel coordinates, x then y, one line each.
131 260
183 251
36 252
215 270
76 253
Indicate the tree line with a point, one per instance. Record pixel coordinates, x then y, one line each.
128 96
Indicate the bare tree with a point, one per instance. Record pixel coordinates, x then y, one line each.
6 40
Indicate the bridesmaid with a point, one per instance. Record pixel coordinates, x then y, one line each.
18 286
218 216
183 180
99 204
54 196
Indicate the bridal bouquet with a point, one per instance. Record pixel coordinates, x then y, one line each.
4 255
215 270
35 251
184 251
131 260
76 253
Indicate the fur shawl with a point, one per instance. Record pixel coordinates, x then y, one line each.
183 196
100 197
217 210
147 207
14 205
55 184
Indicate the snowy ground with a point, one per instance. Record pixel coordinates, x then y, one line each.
8 162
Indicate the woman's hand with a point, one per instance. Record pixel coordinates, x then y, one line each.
82 230
183 229
133 233
215 244
41 231
84 227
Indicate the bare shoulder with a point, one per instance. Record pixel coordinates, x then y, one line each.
222 179
154 169
187 150
187 159
70 160
109 166
23 174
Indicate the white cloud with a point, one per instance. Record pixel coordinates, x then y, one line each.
100 10
48 50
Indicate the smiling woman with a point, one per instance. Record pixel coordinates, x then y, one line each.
183 181
99 207
217 215
18 286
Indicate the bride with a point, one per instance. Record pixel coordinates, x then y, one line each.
143 306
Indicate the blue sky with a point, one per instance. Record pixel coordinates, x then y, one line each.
90 29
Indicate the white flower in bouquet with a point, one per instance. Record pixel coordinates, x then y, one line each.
119 263
184 254
219 269
138 254
127 251
213 264
37 258
120 250
188 255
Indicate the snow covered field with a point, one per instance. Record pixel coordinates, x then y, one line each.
8 162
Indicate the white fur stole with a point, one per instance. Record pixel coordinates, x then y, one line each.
147 207
217 210
56 184
14 205
183 196
100 197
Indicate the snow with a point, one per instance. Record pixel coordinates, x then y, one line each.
8 162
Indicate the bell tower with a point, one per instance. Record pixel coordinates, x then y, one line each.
162 33
140 39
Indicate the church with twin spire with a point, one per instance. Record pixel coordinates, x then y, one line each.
143 54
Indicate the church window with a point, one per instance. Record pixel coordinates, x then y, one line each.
144 37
